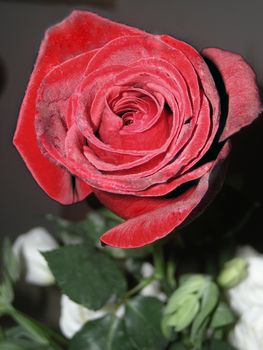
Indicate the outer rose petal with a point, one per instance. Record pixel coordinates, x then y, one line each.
55 180
240 83
153 225
78 33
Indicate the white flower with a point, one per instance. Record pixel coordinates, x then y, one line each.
73 316
153 289
248 333
27 248
247 300
246 251
249 292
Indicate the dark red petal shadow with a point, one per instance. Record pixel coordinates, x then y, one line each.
150 226
240 83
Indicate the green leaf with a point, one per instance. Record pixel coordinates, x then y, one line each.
28 327
1 333
24 336
86 275
222 316
107 333
193 284
15 345
177 346
184 314
22 344
93 226
110 216
16 332
6 294
139 252
37 333
10 261
208 303
34 330
88 229
200 335
143 323
216 344
18 338
218 333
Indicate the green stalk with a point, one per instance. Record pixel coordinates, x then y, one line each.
40 333
170 273
142 284
158 259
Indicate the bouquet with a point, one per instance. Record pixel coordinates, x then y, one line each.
144 123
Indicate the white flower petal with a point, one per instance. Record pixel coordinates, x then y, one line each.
120 311
246 251
249 292
247 300
153 289
147 270
27 248
73 316
248 332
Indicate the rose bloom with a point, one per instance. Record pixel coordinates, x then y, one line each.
142 121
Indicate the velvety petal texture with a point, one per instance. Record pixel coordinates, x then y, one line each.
79 33
244 103
134 118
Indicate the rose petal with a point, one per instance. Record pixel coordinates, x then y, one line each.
131 49
117 182
78 33
53 102
127 206
202 71
244 103
172 184
148 227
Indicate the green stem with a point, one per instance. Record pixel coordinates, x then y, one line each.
170 272
158 259
158 275
39 332
142 284
107 214
160 268
2 334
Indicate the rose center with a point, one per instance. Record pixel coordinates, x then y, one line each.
127 118
133 106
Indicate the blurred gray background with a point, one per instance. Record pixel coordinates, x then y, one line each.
234 25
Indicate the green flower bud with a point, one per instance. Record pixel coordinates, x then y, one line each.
191 284
184 303
233 272
184 313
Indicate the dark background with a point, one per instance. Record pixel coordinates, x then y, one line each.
233 25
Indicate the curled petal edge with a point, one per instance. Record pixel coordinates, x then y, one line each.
151 226
240 84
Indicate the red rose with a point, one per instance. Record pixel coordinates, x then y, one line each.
135 118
